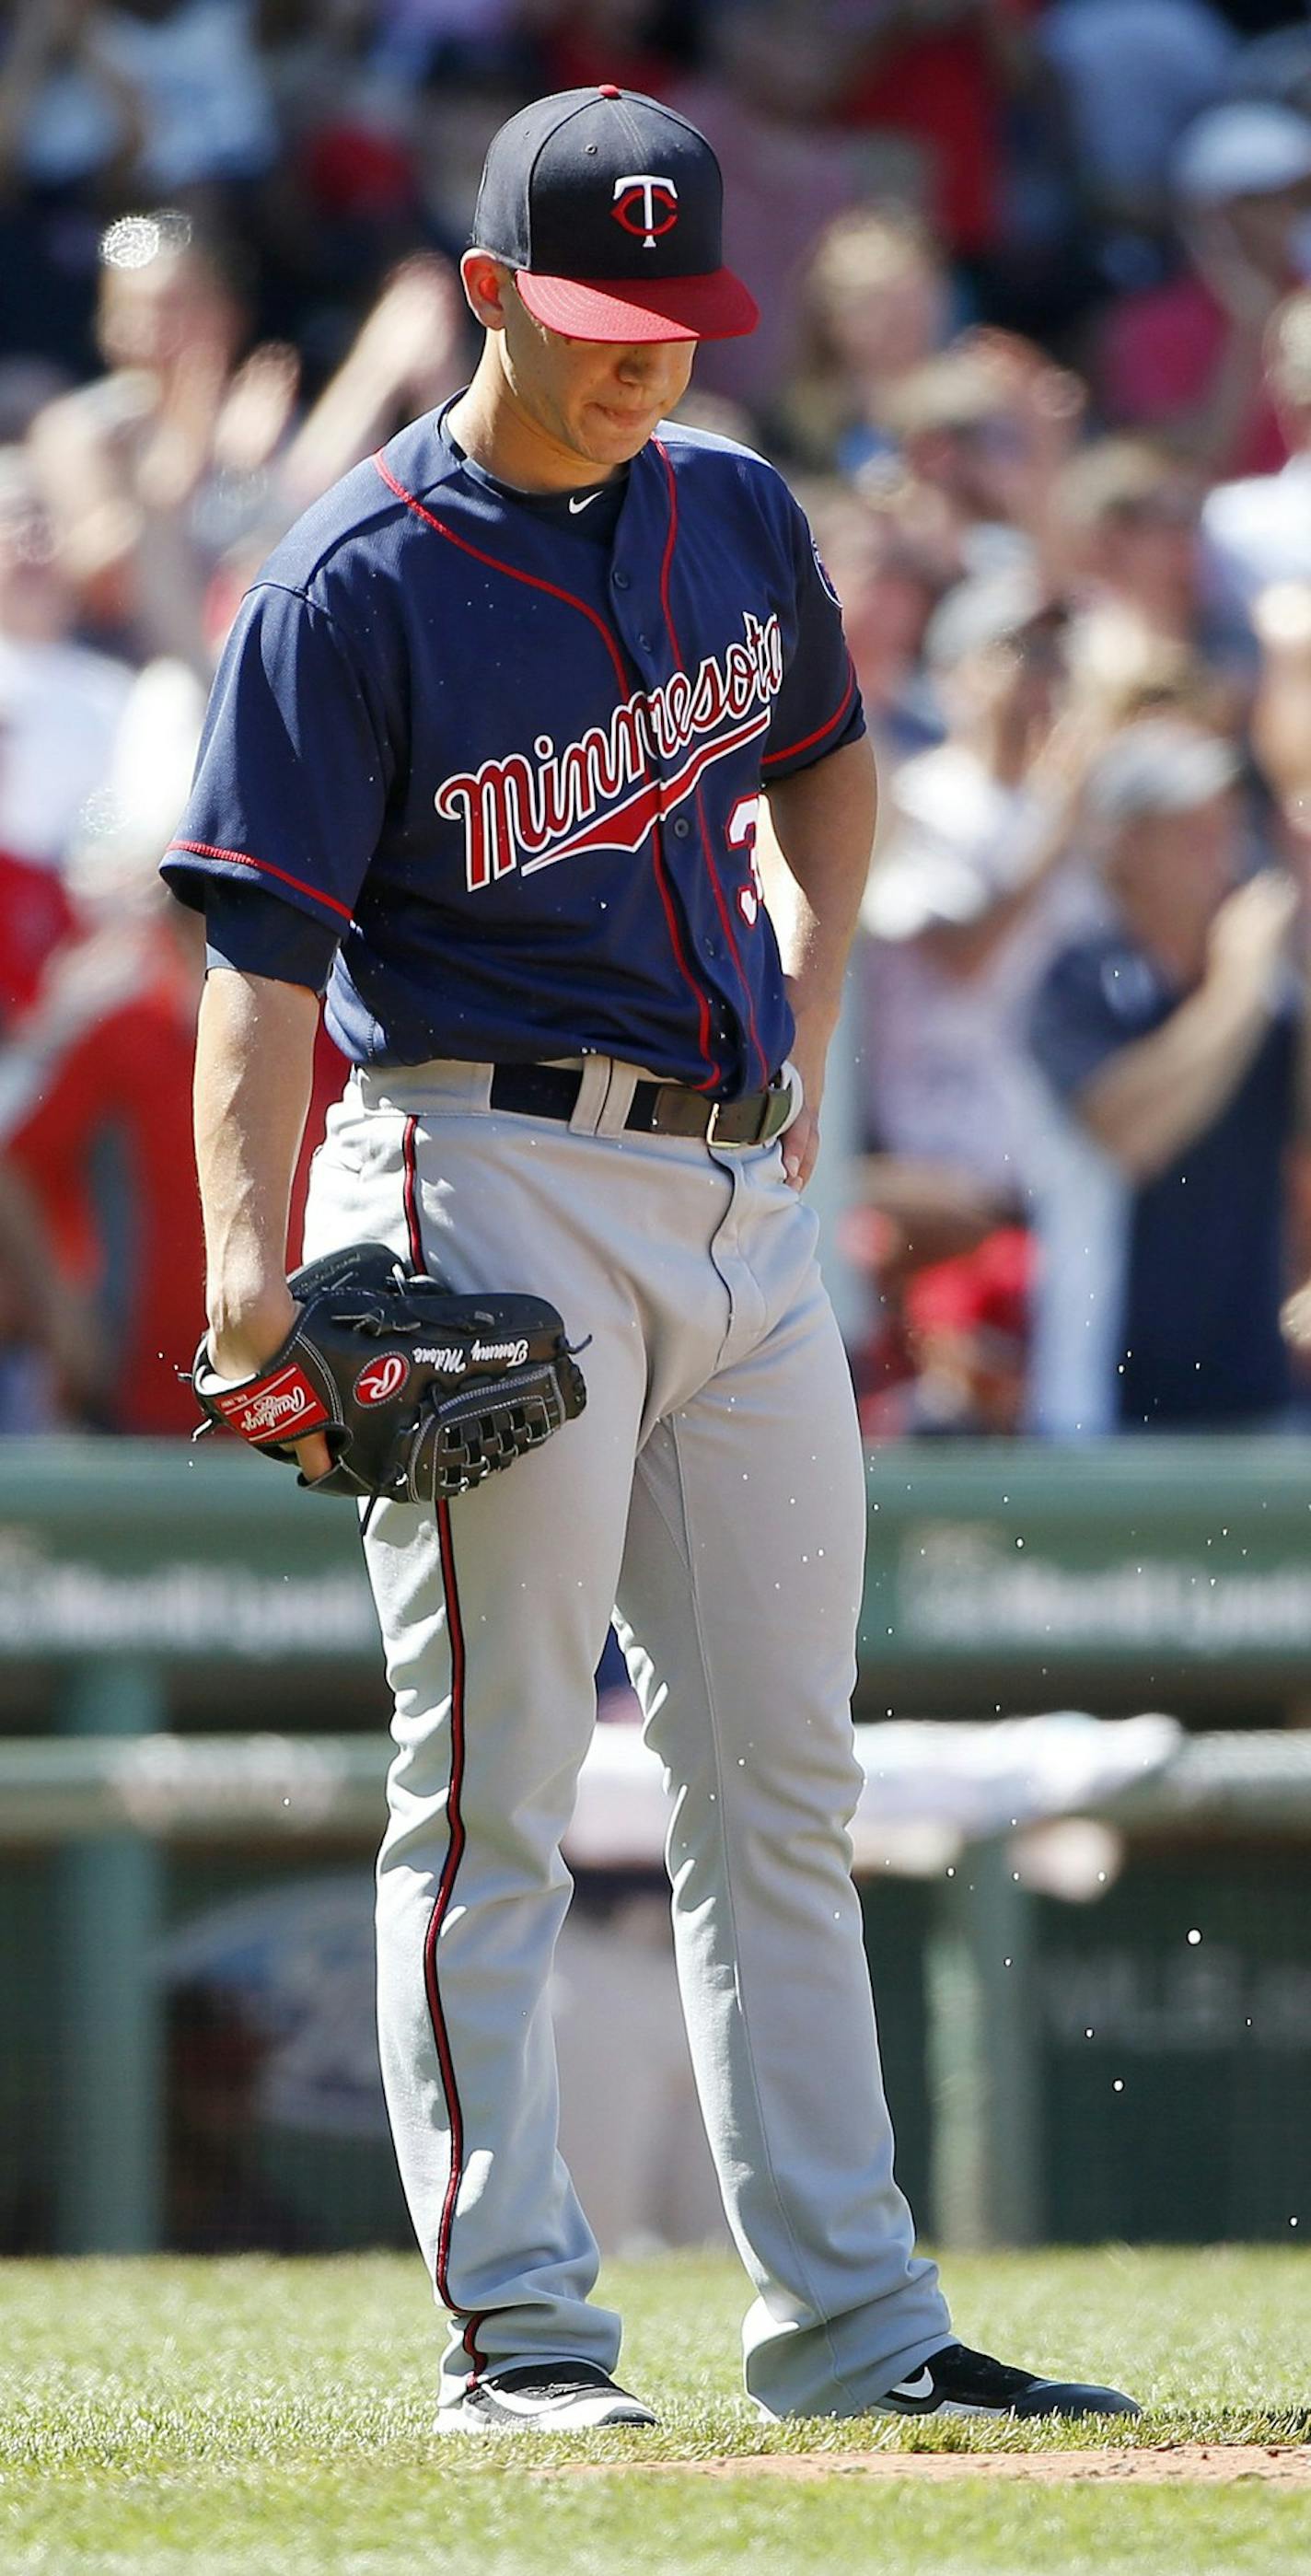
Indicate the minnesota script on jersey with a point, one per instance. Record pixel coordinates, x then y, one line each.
516 768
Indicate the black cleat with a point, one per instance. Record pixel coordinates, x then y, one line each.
956 2381
544 2397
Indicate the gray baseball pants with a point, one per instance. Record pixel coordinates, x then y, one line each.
713 1489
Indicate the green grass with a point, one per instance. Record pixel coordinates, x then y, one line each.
271 2419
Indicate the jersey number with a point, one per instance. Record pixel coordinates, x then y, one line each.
742 836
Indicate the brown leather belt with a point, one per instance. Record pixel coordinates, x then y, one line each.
658 1108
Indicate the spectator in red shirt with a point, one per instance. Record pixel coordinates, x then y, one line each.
35 915
943 74
94 1119
1186 357
937 73
95 1126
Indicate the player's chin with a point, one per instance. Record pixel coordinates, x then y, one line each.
614 436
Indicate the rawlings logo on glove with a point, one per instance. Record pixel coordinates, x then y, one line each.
418 1393
382 1379
273 1406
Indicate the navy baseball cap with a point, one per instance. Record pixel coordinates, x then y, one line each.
609 207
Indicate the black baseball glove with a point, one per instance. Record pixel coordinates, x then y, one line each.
418 1393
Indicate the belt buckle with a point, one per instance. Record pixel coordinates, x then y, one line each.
736 1144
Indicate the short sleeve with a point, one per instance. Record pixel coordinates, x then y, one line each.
1092 1003
259 934
818 708
292 778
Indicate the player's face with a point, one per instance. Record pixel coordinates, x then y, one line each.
597 400
1181 866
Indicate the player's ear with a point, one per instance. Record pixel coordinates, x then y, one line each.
485 282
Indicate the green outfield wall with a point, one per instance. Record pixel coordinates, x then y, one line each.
1131 1573
1136 2065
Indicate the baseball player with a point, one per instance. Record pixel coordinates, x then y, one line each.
513 731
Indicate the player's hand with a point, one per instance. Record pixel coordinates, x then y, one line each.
1251 928
241 1349
1219 255
257 409
1281 617
800 1148
1295 1318
807 1058
412 337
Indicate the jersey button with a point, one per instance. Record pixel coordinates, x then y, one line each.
681 827
620 580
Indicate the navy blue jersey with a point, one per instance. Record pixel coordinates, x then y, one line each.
1205 1253
514 769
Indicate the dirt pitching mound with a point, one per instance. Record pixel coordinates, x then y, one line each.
1208 2463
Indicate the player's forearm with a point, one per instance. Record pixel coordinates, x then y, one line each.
353 413
254 1061
1151 1100
1281 716
814 853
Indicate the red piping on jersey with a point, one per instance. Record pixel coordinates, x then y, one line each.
616 656
794 747
766 1068
533 579
243 859
455 1835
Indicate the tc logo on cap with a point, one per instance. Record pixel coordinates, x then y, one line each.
657 199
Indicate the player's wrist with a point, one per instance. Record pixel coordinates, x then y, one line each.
245 1332
815 1015
815 1024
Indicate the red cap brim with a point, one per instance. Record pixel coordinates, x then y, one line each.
714 307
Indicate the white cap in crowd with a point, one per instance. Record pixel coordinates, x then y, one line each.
990 608
1160 766
1251 148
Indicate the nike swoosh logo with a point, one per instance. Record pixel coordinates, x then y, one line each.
584 504
920 2386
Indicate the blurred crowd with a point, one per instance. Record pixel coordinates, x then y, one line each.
1036 354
